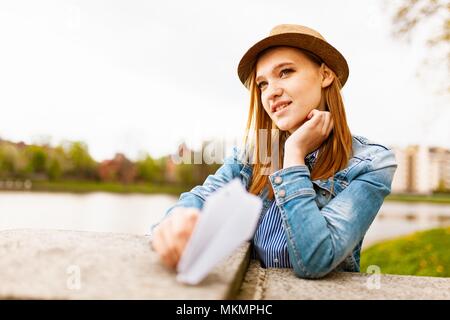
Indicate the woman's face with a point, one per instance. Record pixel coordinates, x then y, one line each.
291 86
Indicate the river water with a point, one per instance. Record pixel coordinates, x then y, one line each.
107 212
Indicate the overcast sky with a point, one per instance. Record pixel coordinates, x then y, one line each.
140 76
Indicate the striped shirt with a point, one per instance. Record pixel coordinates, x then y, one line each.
269 241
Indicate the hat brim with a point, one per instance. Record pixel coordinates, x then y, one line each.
330 55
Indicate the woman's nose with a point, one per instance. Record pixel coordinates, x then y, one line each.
275 91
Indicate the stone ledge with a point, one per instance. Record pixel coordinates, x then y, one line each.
277 284
43 264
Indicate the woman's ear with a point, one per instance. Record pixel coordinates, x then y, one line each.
327 75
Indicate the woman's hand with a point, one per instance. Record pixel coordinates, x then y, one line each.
172 234
307 138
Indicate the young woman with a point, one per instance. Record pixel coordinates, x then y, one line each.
321 188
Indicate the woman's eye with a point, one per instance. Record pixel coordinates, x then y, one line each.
285 72
261 84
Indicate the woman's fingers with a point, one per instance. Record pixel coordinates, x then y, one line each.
159 244
162 243
182 230
311 114
316 115
315 119
168 254
179 238
320 121
171 236
312 133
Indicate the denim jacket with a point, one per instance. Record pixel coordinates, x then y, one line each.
324 226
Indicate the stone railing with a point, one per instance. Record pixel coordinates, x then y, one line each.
48 264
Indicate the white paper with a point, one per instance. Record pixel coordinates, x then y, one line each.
228 219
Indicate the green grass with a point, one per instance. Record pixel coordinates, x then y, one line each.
435 198
86 186
425 253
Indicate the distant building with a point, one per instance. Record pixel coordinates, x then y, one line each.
118 169
440 162
421 169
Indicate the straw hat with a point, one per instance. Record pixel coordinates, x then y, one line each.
297 36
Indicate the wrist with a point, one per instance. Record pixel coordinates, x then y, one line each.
293 158
294 151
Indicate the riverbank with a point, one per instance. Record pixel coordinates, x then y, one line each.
422 253
86 187
440 198
175 190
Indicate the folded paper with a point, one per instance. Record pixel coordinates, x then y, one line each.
229 218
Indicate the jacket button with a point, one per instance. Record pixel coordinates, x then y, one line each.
282 193
278 180
275 260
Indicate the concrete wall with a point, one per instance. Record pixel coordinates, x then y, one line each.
48 264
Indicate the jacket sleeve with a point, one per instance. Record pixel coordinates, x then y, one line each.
319 240
196 197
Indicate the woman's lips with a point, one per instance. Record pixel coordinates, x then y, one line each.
282 109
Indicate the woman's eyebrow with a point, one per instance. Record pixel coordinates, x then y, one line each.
282 64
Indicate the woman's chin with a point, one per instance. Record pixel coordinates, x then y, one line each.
286 126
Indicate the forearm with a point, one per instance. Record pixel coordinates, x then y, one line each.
310 241
196 197
318 240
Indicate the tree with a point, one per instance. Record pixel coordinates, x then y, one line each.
185 174
54 170
8 156
83 166
37 159
149 169
442 187
412 14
